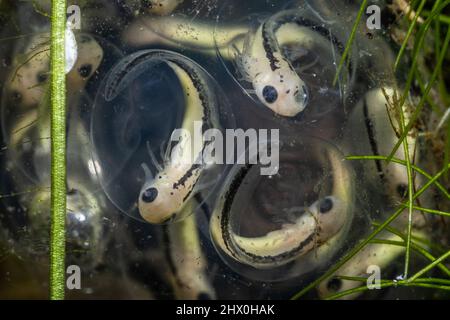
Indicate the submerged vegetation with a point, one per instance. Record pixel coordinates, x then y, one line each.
425 27
58 151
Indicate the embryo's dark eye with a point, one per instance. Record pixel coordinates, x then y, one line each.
42 77
203 296
149 195
72 191
334 285
402 190
85 70
326 205
270 94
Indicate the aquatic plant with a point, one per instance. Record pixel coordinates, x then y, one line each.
423 21
58 150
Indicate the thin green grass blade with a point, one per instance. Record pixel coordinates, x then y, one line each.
430 101
420 280
432 211
403 162
371 236
389 284
408 34
430 266
350 40
410 187
447 145
58 150
442 18
418 248
423 98
418 44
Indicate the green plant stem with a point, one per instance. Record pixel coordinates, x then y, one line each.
416 248
447 145
402 162
408 34
391 283
58 150
372 235
441 17
432 211
437 48
418 43
433 280
430 101
419 249
420 280
39 10
424 96
430 266
348 46
410 188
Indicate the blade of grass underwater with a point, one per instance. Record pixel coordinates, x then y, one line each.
418 43
390 242
447 145
430 266
389 284
362 244
430 101
442 18
408 34
433 280
410 185
39 9
420 280
437 48
421 103
58 150
417 247
432 211
401 122
403 162
350 40
412 7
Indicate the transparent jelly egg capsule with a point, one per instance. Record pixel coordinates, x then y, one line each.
148 127
287 61
26 123
283 225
